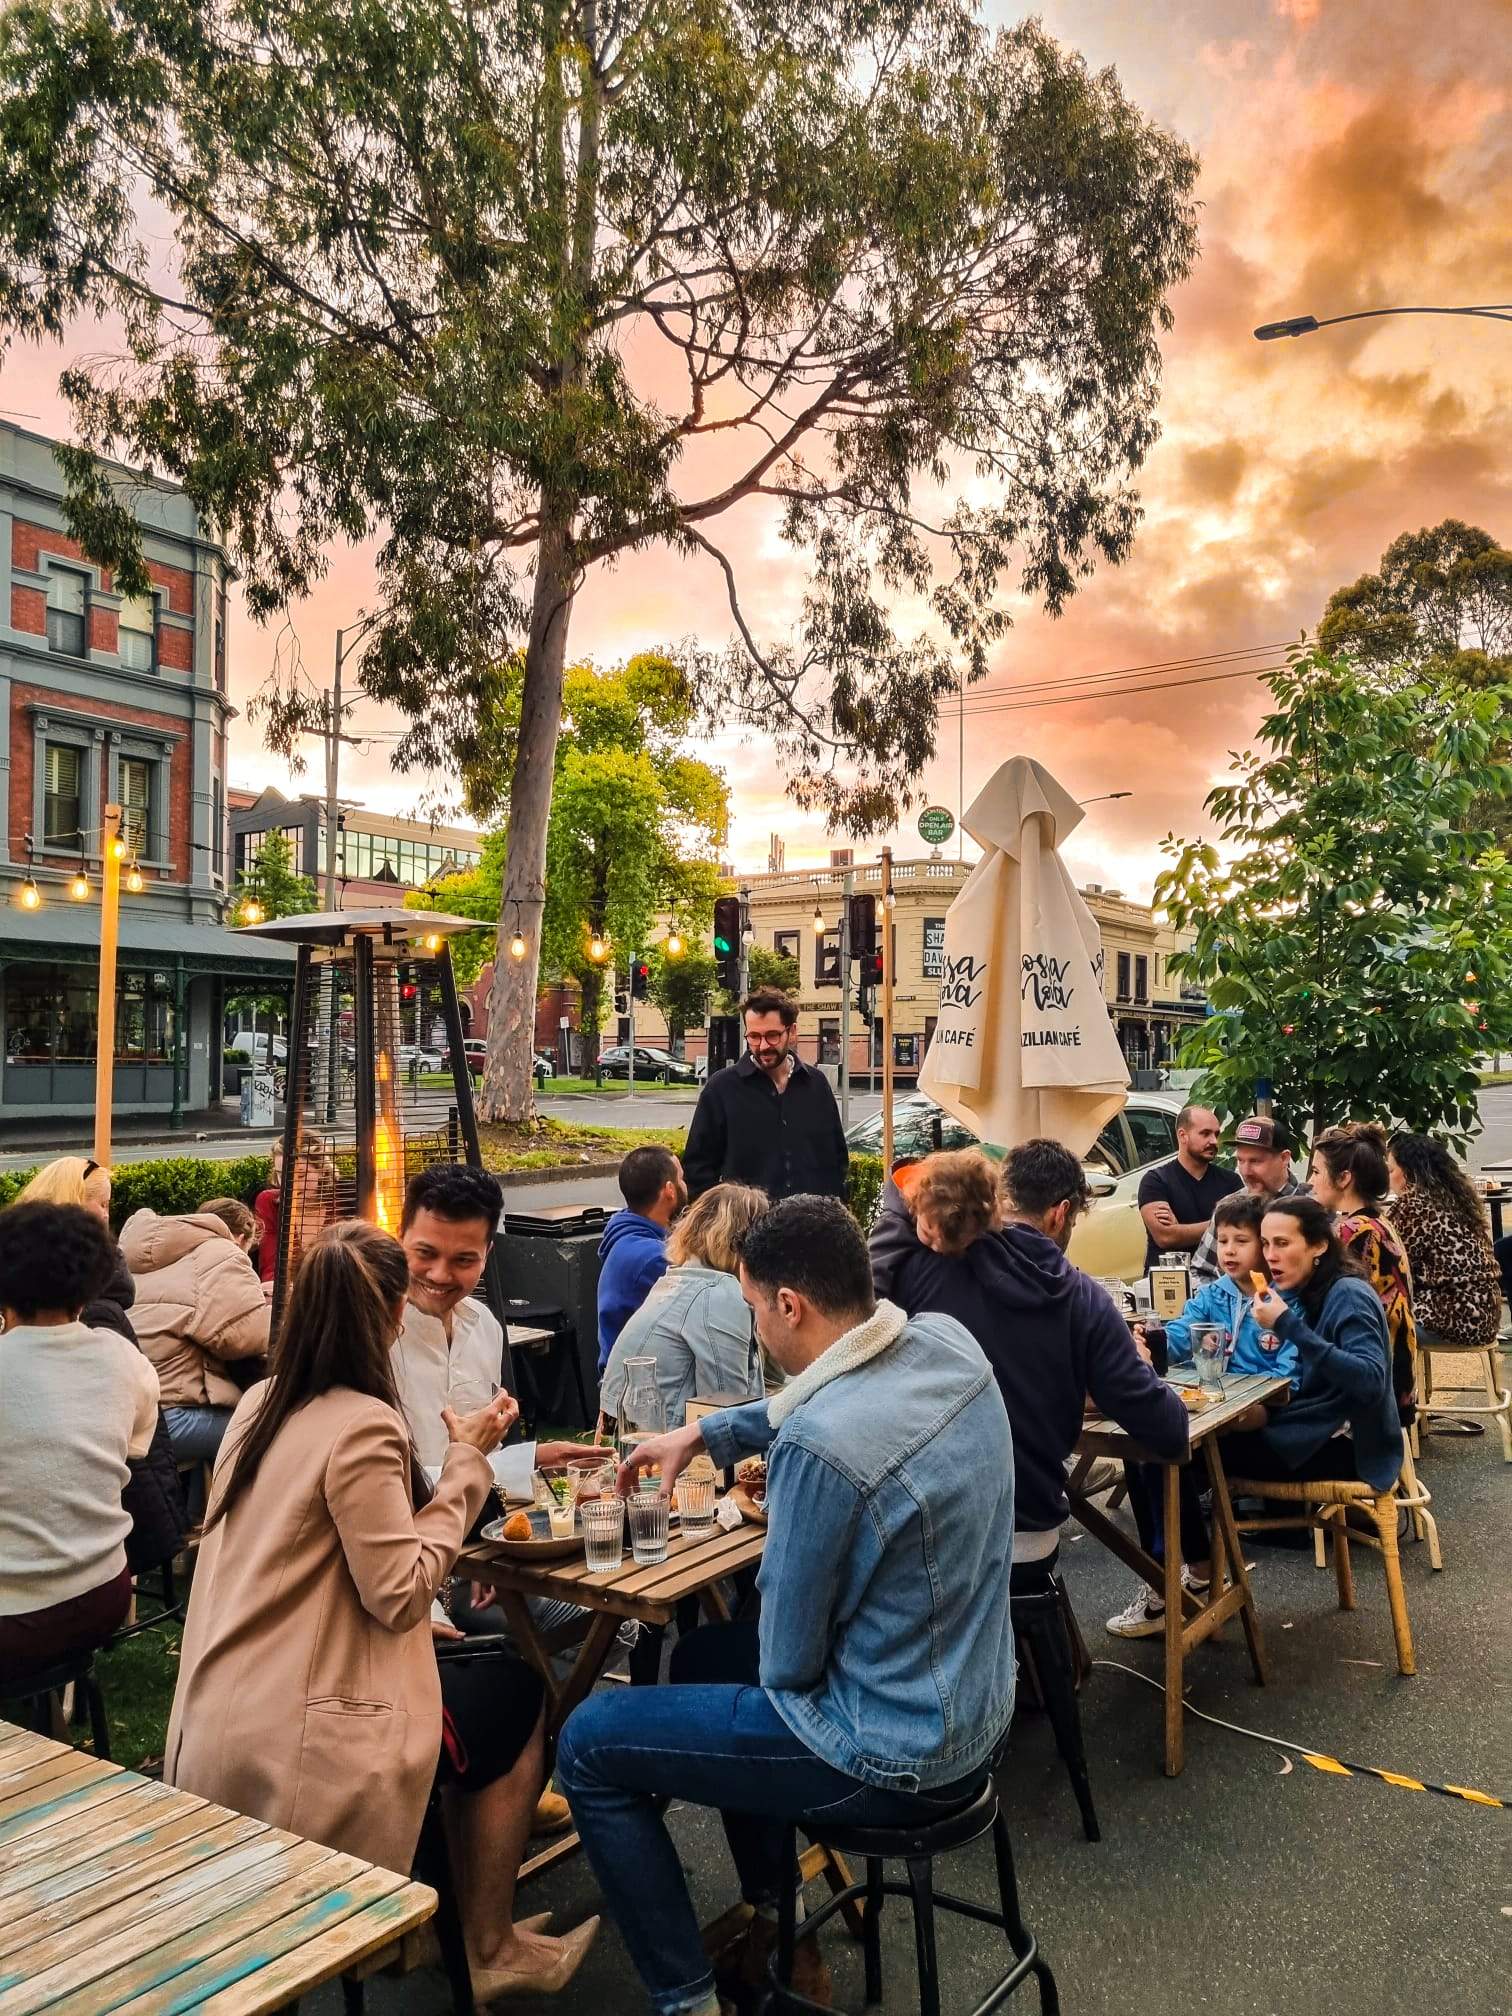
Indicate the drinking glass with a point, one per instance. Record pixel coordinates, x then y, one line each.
648 1529
603 1533
1210 1349
695 1504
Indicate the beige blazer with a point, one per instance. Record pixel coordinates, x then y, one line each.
307 1693
199 1302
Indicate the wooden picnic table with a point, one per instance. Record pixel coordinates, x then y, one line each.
117 1892
693 1567
1188 1619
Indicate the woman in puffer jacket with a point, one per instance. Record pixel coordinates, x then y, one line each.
199 1310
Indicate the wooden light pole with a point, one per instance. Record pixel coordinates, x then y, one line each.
112 848
887 1014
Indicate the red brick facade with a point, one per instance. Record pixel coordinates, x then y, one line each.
24 698
29 546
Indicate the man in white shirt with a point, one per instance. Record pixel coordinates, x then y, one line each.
450 1351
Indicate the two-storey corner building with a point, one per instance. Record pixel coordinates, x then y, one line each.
112 699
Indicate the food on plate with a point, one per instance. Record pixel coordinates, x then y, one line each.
752 1478
517 1527
1194 1398
1261 1284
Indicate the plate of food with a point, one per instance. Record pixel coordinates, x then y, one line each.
534 1534
749 1490
1193 1398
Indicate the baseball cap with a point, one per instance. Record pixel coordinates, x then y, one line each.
1260 1130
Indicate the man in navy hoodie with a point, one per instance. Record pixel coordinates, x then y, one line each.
632 1252
993 1256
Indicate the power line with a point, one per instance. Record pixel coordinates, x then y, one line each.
1117 692
983 700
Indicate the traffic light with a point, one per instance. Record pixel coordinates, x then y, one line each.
640 979
863 926
871 968
621 1002
727 942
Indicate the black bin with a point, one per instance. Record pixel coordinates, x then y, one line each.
549 1256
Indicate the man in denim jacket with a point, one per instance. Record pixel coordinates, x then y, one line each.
881 1680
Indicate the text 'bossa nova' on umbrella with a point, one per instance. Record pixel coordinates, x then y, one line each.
1024 1045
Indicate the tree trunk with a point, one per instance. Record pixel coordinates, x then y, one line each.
508 1085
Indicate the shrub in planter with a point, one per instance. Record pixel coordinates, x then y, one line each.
171 1187
863 1188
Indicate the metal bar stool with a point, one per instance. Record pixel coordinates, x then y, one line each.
36 1691
916 1847
1042 1635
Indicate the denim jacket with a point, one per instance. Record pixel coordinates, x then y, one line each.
886 1645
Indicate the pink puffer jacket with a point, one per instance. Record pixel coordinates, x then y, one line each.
198 1302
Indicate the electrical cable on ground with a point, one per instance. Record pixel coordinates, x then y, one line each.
1334 1766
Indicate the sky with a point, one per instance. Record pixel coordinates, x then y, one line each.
1355 153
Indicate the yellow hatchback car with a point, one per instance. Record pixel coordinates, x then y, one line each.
1110 1238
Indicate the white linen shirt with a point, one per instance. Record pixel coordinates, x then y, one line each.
428 1371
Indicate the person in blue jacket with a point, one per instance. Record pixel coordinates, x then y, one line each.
1321 1304
1237 1223
633 1251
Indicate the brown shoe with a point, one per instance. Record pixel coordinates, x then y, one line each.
552 1814
741 1972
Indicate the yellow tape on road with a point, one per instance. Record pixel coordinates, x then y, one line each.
1339 1769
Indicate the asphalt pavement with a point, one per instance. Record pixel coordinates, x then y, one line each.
1251 1885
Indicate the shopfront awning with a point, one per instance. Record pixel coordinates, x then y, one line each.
69 935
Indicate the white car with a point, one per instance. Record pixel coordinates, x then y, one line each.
423 1056
1110 1238
241 1043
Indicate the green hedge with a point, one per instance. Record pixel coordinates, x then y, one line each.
863 1188
180 1183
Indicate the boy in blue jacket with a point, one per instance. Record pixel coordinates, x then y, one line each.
1228 1302
633 1251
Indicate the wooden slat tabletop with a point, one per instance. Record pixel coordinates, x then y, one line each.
1102 1436
117 1893
648 1594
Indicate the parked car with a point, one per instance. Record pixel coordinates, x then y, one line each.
241 1043
649 1063
423 1056
1110 1238
474 1052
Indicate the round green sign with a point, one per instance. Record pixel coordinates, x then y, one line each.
936 825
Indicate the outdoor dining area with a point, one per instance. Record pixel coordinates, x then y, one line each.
819 1668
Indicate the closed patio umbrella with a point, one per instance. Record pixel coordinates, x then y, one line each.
1024 1045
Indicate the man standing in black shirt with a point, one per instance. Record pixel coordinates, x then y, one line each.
1177 1198
770 1120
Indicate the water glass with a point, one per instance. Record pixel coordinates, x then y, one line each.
603 1521
695 1504
648 1529
1210 1349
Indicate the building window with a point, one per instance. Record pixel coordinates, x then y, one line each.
1141 977
62 795
785 944
67 610
829 1041
136 644
827 958
135 786
51 1016
217 826
220 640
1123 976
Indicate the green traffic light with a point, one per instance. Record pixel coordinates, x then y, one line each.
722 946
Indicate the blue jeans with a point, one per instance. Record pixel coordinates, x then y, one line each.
195 1435
717 1742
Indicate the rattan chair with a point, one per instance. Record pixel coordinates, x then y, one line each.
1498 1398
1324 1506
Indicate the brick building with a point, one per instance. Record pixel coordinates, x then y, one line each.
379 856
104 699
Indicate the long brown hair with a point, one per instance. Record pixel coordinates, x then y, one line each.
338 1329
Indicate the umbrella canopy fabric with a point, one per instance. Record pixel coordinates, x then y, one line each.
1024 1045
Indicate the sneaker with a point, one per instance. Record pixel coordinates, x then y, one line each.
1144 1618
1198 1584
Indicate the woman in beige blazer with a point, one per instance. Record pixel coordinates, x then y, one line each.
308 1690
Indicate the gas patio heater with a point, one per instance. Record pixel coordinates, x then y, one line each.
368 1102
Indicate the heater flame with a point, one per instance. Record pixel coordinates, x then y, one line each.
388 1175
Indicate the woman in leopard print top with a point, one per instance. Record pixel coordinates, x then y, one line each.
1438 1217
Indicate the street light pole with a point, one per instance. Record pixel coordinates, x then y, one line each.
887 1014
1103 797
111 849
1304 325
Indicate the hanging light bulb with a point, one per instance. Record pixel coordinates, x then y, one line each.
78 888
134 880
118 848
251 910
818 921
517 947
597 948
432 941
31 895
674 945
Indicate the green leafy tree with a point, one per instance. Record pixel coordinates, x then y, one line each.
518 291
271 883
681 988
765 967
1353 935
636 826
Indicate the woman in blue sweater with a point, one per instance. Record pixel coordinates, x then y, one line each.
1343 1420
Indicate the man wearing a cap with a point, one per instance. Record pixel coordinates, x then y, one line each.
1262 1155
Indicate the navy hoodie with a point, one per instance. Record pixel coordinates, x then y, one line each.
1051 1336
632 1255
